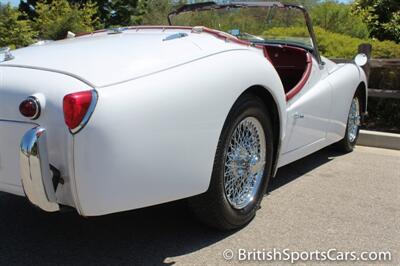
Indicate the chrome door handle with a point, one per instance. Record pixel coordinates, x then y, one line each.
297 115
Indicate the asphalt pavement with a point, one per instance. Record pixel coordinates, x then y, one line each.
325 202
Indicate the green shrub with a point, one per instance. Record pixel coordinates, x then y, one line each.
337 17
54 20
385 49
335 45
15 30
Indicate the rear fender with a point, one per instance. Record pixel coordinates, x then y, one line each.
153 139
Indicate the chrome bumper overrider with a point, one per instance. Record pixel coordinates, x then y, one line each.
35 170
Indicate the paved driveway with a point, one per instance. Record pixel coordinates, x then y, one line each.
325 201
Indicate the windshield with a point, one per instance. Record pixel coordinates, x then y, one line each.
257 24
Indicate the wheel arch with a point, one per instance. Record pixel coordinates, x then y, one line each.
362 91
271 104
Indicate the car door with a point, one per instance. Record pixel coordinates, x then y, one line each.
308 112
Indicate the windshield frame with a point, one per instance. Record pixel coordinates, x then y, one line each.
206 6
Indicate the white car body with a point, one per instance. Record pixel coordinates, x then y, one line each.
161 107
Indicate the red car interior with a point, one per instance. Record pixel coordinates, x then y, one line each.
292 64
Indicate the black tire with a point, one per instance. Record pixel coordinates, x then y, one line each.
346 145
213 207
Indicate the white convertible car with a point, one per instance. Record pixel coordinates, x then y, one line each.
131 117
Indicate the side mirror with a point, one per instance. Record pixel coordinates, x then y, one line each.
361 60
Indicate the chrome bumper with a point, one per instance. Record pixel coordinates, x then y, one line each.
35 170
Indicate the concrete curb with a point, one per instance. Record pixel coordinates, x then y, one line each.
379 139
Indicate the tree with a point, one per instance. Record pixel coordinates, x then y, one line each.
381 16
54 20
156 11
336 17
118 12
28 7
109 12
104 9
124 12
15 30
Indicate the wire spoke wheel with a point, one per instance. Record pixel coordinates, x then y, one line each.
353 122
244 163
242 166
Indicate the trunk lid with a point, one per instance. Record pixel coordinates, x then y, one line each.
104 59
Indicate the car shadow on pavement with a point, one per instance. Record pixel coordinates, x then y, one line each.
142 237
292 171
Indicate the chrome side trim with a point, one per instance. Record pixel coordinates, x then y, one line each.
35 170
88 114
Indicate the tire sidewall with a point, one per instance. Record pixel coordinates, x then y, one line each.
351 144
248 106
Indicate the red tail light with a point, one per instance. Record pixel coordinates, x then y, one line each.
30 108
78 108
